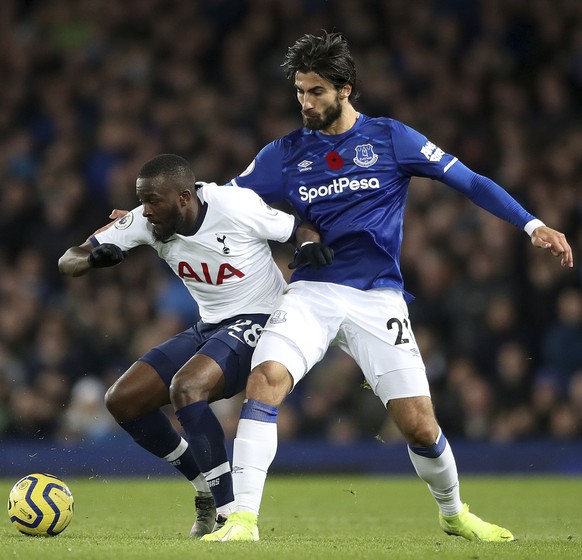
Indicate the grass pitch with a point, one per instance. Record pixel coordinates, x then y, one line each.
332 516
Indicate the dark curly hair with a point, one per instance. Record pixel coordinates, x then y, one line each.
327 55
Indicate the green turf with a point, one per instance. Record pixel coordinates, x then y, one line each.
314 518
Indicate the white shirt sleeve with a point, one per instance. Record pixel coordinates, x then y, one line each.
128 232
247 207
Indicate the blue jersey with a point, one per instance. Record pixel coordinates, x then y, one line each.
353 187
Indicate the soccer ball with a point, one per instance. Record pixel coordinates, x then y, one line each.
40 504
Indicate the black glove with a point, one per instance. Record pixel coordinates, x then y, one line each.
106 254
315 254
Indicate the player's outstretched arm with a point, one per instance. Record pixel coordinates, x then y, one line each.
79 260
495 199
75 261
548 238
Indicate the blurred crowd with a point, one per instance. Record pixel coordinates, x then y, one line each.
91 89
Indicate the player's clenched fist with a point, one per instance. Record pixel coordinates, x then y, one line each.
315 254
106 254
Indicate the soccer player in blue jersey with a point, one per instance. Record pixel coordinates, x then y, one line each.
349 175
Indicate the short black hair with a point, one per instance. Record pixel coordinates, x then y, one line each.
328 55
168 165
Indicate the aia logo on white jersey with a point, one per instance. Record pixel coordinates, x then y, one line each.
225 271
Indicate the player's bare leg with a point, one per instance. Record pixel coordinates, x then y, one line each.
135 401
138 391
434 462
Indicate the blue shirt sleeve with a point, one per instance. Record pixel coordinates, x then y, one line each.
487 194
418 156
264 175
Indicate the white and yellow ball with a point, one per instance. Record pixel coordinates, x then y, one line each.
41 505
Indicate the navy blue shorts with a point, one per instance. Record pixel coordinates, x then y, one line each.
229 343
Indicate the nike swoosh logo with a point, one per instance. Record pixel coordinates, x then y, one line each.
226 535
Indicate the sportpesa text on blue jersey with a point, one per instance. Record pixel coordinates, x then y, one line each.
353 187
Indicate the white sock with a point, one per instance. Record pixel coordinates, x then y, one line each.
255 447
440 473
226 509
201 486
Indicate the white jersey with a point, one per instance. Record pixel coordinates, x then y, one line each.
226 261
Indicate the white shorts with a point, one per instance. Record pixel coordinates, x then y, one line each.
371 326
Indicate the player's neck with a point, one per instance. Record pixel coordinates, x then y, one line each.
191 217
346 121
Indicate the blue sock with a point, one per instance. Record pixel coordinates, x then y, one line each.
432 451
257 410
155 433
206 440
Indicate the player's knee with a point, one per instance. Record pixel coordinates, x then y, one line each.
185 389
419 431
116 402
423 432
124 403
422 436
269 382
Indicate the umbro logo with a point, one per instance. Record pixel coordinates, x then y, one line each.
305 165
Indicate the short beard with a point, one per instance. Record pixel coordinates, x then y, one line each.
331 115
174 222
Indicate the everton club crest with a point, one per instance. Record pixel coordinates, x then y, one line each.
365 156
278 317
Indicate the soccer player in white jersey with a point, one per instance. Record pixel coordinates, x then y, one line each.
216 240
349 174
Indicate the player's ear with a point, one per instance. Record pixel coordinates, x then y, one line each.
185 196
345 91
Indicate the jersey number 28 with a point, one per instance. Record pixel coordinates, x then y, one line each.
246 331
